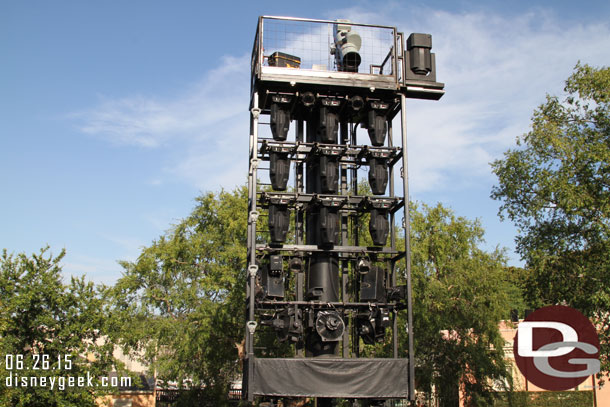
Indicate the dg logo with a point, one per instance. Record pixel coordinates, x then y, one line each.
556 348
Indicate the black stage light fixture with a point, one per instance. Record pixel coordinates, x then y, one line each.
363 265
372 324
420 58
308 99
328 121
328 225
273 280
288 325
379 226
279 221
329 325
329 174
356 103
279 170
378 175
280 117
346 47
372 285
377 124
295 265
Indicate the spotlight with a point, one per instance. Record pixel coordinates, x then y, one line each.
280 120
356 103
328 123
329 174
379 226
272 279
279 221
328 225
420 59
330 326
295 265
346 47
378 175
308 99
377 124
279 170
363 265
372 325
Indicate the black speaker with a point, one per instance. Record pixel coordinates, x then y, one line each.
372 285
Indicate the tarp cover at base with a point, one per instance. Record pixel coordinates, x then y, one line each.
321 377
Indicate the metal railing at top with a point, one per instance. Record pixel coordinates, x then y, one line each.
311 42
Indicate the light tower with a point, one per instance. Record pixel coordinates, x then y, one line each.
313 279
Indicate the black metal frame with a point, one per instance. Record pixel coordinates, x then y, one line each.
392 88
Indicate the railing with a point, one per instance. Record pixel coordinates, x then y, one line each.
312 41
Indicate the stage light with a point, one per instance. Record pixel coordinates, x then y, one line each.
308 99
279 170
377 124
272 280
330 326
280 120
329 174
378 175
346 47
279 221
379 226
372 325
356 103
328 219
328 123
420 59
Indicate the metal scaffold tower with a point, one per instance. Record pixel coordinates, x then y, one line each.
317 277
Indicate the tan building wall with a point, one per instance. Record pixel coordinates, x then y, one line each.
132 399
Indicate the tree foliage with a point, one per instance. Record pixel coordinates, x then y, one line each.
40 315
460 294
181 303
555 186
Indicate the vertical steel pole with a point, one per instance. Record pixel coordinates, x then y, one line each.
252 219
393 247
407 227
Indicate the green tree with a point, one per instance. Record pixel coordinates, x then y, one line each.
181 303
555 186
40 318
460 292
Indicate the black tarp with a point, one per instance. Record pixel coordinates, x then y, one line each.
329 377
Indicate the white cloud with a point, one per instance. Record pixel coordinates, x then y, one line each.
497 69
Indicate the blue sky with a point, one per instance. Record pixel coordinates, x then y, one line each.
115 115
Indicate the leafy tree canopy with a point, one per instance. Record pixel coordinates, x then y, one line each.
41 318
181 303
555 186
182 300
461 292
